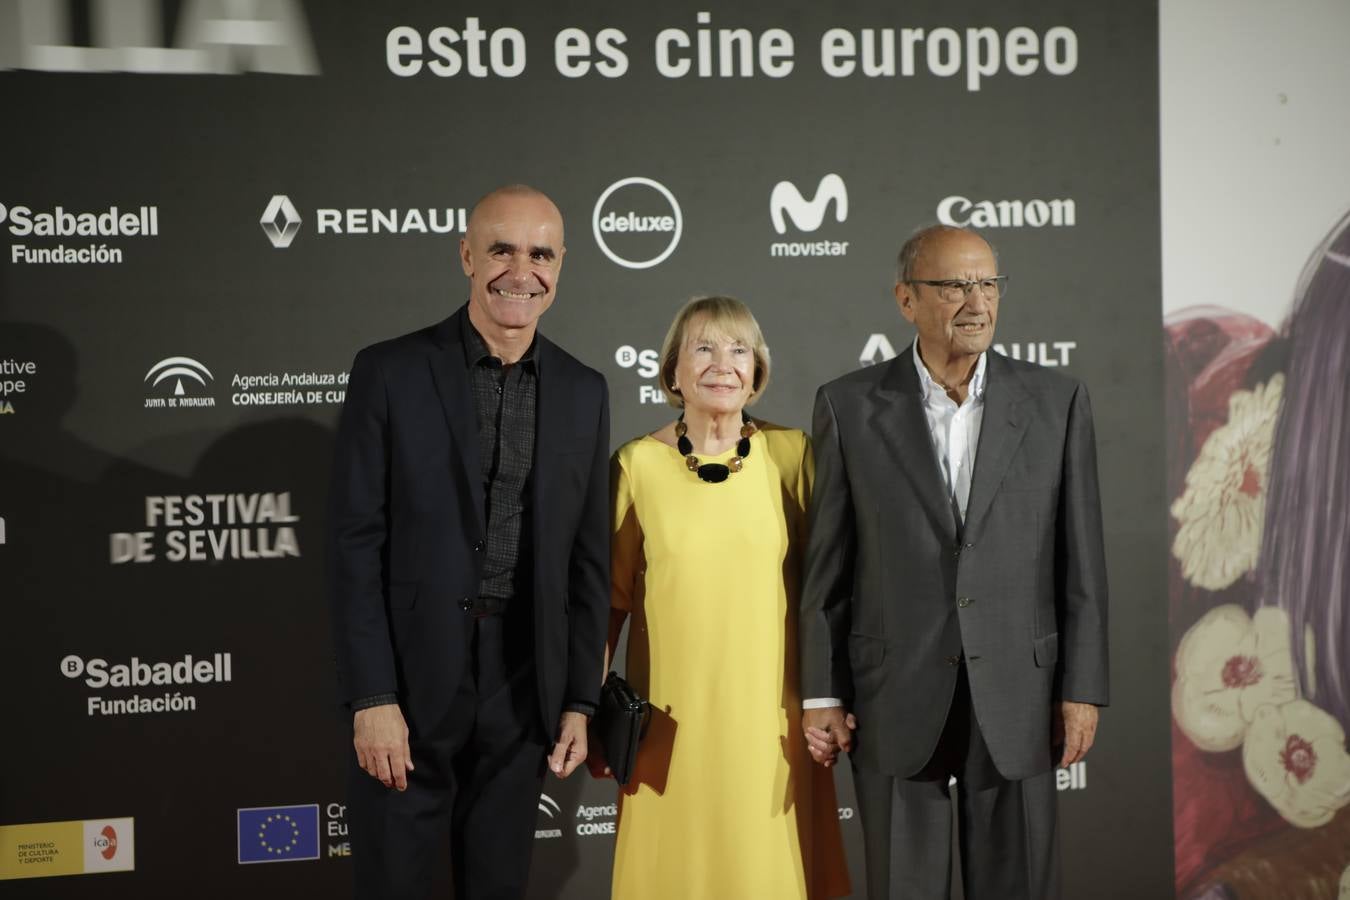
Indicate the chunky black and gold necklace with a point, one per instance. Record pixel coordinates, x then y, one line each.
714 472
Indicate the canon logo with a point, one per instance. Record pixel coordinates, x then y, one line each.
963 212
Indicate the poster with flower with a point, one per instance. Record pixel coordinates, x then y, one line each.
1258 424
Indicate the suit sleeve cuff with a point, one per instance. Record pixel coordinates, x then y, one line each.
580 706
374 700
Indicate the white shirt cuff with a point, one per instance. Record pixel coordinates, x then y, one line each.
821 702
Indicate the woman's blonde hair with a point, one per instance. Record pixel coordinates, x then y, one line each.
718 316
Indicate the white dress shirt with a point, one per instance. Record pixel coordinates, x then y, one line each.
955 431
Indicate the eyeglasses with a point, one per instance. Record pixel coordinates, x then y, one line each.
957 290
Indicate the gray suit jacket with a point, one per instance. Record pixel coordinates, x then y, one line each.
896 589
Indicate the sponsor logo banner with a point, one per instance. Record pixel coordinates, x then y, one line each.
188 670
787 203
964 212
211 37
637 222
16 377
601 819
647 365
79 847
297 388
1051 354
178 382
281 221
1074 778
210 528
335 827
549 810
80 233
278 833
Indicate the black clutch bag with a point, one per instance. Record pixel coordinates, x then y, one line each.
619 724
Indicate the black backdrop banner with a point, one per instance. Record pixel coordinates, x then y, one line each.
206 208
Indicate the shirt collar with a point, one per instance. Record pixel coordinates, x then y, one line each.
932 389
476 350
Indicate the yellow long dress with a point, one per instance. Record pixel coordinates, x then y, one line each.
725 802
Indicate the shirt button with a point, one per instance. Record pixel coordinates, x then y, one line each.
963 602
970 546
466 604
499 388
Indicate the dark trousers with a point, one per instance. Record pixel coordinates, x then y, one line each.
479 775
1006 829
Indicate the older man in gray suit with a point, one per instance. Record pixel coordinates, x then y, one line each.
953 621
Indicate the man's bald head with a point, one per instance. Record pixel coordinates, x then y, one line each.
489 204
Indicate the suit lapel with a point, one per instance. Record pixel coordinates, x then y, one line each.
452 385
550 419
1001 433
898 418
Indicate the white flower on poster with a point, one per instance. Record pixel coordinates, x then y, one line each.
1229 665
1344 892
1222 509
1295 756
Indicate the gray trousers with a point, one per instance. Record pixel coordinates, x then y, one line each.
1006 829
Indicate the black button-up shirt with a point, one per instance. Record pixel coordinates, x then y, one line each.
505 399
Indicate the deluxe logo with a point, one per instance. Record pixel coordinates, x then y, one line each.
281 221
786 202
637 222
215 37
174 369
963 212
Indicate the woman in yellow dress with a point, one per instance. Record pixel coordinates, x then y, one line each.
709 533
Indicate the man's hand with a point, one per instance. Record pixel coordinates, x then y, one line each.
381 741
828 730
1075 726
570 750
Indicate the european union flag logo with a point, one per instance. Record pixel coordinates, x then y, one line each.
278 833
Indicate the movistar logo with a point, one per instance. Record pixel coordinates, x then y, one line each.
807 215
